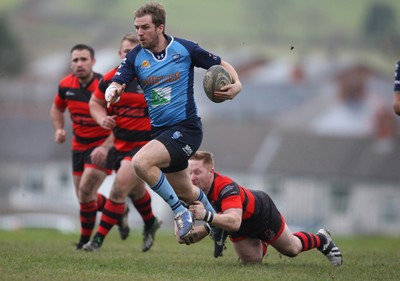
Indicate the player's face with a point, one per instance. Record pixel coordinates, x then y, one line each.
148 33
200 175
82 64
126 46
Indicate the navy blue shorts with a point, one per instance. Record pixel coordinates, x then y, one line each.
182 140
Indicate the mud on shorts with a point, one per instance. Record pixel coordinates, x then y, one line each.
81 160
182 140
266 223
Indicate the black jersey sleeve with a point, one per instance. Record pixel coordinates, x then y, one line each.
397 77
228 190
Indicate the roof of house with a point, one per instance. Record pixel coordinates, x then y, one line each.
338 158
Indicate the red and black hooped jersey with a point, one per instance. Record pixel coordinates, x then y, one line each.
226 194
133 127
75 97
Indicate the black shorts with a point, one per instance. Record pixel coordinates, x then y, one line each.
182 140
81 159
266 223
117 156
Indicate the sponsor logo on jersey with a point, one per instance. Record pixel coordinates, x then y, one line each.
160 96
69 94
160 56
176 57
122 62
214 57
145 64
153 80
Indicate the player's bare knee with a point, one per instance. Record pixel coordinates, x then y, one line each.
140 165
85 194
117 195
289 252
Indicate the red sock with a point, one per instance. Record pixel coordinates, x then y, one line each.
264 246
88 219
308 240
101 201
112 213
143 206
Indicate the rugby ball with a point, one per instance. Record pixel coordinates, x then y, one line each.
214 79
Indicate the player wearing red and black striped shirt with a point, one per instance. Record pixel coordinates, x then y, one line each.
90 142
130 123
250 217
74 96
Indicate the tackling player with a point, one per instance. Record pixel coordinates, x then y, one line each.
250 217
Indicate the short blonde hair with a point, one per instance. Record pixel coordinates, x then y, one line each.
131 38
207 157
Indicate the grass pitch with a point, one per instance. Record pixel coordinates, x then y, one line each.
49 255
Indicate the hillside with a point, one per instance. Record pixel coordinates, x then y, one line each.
265 27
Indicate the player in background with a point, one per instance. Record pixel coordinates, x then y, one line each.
129 120
90 142
164 67
396 97
250 216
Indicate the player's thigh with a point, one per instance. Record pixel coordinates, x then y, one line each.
287 243
154 153
181 183
249 250
127 182
92 178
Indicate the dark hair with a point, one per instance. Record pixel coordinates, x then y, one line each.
80 47
156 10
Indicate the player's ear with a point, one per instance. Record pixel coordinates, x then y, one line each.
161 27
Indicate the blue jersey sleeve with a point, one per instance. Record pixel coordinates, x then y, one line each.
126 71
199 56
397 77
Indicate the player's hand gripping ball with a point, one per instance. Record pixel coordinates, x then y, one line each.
214 79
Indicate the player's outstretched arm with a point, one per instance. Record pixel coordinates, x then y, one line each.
113 92
198 233
98 111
